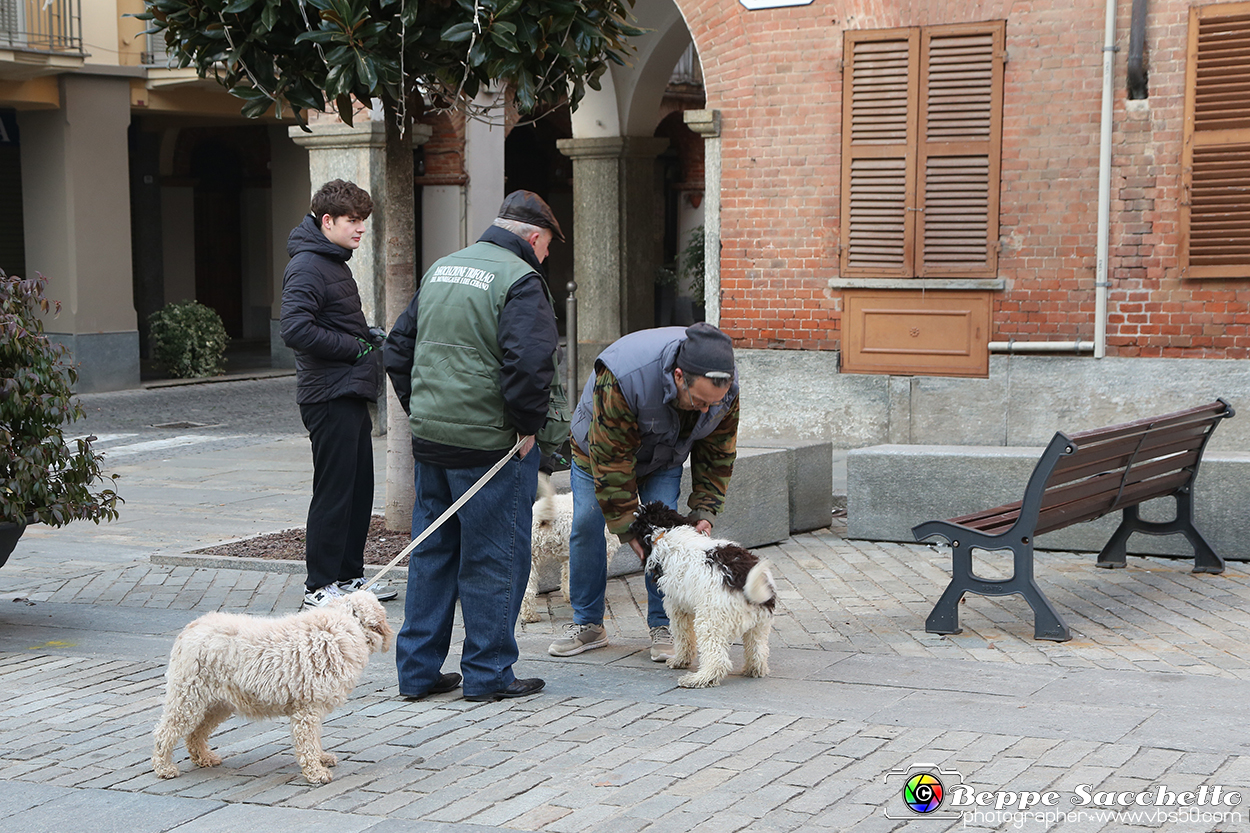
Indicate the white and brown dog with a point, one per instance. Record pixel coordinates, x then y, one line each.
553 522
301 666
714 592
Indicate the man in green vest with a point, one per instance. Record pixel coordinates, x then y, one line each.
473 362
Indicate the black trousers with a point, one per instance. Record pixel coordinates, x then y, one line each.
342 500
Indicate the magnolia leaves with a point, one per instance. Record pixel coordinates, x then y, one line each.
300 54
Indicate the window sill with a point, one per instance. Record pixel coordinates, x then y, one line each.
917 283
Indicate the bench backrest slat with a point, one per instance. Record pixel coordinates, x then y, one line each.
1179 458
1116 454
1105 486
1217 410
1112 468
1001 518
1077 512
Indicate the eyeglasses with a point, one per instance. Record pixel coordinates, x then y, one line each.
697 404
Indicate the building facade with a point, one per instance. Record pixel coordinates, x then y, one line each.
937 224
924 221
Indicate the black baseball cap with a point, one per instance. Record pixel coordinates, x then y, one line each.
528 207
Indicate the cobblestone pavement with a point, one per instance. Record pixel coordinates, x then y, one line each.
1142 701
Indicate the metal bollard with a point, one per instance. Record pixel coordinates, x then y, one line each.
570 340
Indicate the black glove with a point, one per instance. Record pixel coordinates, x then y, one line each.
552 463
377 335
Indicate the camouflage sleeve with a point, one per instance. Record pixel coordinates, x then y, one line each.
614 440
711 466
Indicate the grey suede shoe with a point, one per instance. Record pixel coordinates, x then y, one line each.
661 644
579 638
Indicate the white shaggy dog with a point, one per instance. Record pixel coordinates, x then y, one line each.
714 592
553 521
302 666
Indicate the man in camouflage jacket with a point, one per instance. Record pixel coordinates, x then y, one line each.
656 398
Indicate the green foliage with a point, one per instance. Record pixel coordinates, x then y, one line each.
188 339
301 54
691 263
42 479
665 276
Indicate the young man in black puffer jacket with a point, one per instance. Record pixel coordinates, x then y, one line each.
338 371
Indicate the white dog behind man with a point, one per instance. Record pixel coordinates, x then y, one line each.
301 666
549 542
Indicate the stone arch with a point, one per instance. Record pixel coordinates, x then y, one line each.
617 186
628 103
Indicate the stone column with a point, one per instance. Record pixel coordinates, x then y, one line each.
707 124
288 169
618 238
76 207
357 154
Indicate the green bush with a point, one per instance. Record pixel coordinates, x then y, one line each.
188 339
42 479
691 260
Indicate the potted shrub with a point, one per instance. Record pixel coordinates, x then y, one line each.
42 479
692 267
189 339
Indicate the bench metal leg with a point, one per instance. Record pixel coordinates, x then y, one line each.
945 615
1115 554
1047 623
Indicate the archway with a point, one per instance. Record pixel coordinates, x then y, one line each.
619 188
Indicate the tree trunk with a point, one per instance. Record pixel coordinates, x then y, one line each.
400 285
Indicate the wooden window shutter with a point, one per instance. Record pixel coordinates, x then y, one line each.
1215 207
960 135
878 173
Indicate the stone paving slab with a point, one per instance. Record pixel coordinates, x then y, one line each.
1142 698
830 727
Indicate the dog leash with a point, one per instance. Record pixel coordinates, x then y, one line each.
451 510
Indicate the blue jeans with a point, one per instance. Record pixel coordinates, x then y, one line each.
480 555
588 552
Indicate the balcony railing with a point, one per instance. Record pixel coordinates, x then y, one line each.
41 25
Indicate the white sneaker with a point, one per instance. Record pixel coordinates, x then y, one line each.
322 596
661 644
382 590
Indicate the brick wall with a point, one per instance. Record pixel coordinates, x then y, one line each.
775 76
443 153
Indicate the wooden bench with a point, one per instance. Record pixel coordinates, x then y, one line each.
1080 478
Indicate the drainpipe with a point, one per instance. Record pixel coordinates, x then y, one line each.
1101 277
1101 281
1077 346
